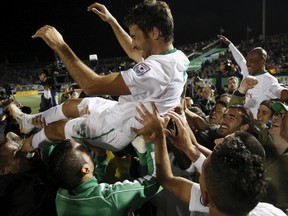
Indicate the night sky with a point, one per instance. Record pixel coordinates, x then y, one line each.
86 33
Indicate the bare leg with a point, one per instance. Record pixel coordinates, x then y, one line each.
51 133
55 131
66 110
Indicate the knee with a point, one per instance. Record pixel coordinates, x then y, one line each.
72 101
71 104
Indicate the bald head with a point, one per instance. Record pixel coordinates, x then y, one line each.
256 61
260 52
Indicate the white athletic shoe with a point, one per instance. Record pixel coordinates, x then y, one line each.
14 138
20 117
18 141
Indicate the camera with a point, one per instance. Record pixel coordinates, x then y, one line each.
7 91
228 65
56 74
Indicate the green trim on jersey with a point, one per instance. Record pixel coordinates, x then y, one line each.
169 51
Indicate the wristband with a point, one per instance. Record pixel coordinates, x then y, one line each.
237 93
198 163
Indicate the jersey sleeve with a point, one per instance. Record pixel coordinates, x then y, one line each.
135 193
275 88
240 59
147 77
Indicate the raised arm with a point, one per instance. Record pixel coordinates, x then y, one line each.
122 36
89 81
238 97
237 55
155 128
195 121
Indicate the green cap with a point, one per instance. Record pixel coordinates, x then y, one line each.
278 106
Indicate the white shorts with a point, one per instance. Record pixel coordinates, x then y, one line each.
93 128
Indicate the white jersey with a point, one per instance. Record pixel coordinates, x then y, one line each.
159 78
197 208
267 87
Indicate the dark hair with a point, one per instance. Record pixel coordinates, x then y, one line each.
151 14
252 144
222 102
65 164
248 118
195 108
235 176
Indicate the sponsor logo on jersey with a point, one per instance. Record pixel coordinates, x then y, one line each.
141 69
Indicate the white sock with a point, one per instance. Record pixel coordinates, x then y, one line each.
54 114
29 117
40 140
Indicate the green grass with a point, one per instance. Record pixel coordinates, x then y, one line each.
31 101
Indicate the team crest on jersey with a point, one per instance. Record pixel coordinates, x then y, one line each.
141 69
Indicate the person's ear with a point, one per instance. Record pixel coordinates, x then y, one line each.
218 141
86 168
205 198
155 33
244 127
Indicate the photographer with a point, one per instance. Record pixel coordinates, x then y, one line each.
227 69
49 98
206 101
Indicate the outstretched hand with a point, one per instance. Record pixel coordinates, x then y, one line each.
224 39
51 36
153 123
101 11
181 139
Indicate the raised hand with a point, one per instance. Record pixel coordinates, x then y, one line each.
153 123
101 11
184 139
51 36
181 139
247 83
224 39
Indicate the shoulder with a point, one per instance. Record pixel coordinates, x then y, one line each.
267 77
267 210
171 58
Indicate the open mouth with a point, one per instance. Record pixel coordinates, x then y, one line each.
223 127
275 125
